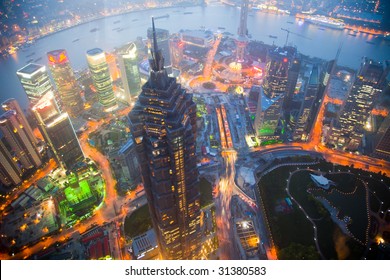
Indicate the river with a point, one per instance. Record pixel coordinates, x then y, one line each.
319 43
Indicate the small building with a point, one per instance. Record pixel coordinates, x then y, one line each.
320 181
145 246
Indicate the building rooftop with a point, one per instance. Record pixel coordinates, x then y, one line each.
320 180
144 243
30 68
94 51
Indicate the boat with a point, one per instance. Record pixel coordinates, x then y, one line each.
31 54
117 21
75 40
136 19
116 28
321 28
370 42
187 13
221 27
30 60
273 36
326 21
352 34
38 59
94 29
290 22
164 16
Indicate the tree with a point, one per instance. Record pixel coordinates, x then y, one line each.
296 251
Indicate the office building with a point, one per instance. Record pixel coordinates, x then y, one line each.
305 116
128 164
267 117
131 79
100 73
382 141
58 131
23 150
35 81
12 104
348 131
10 172
163 126
162 36
277 67
67 86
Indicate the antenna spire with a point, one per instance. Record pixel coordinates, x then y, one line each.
155 47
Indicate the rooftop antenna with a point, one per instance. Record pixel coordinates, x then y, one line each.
155 47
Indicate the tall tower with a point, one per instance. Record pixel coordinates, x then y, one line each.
162 38
35 81
12 104
58 131
163 125
242 33
130 73
101 79
16 136
69 90
10 172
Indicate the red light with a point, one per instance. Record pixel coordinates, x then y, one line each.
62 58
52 59
285 60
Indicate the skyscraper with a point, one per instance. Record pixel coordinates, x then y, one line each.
130 73
10 172
12 104
163 125
101 79
35 81
275 83
69 90
162 37
24 151
348 131
382 143
58 131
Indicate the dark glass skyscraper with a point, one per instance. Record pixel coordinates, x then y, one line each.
69 90
163 125
58 131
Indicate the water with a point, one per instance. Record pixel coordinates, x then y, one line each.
322 43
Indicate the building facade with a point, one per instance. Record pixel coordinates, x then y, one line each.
12 104
10 172
100 73
163 126
23 150
67 86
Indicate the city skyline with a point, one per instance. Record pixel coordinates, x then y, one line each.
200 144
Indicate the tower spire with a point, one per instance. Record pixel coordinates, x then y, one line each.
155 47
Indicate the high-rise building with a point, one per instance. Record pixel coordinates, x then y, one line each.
58 131
25 152
12 104
115 74
131 79
347 133
128 164
63 76
302 128
177 49
35 81
163 125
292 78
277 66
162 36
10 172
101 79
382 143
268 113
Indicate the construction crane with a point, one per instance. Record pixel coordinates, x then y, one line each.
288 34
